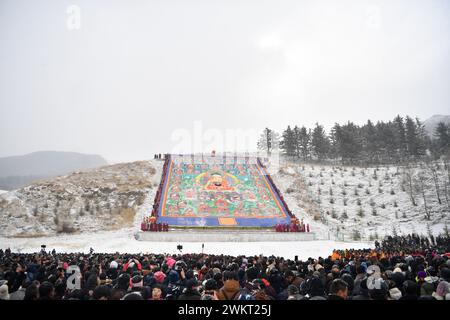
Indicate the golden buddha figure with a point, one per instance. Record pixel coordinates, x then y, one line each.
217 181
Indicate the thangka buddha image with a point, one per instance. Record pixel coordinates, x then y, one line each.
217 181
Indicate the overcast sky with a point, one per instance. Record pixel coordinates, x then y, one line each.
126 79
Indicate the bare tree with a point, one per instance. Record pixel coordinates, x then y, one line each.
447 167
446 231
410 182
447 190
429 232
421 185
447 184
435 177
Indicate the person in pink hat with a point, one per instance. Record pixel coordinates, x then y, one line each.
170 262
159 276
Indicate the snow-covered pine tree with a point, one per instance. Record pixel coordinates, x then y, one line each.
320 144
288 142
442 136
304 140
268 141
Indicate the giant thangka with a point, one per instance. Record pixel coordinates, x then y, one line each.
219 191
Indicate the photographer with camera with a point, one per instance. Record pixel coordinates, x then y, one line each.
177 280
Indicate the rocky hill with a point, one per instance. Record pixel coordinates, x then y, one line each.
105 198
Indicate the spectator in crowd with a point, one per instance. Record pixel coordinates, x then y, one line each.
231 287
20 293
32 292
46 291
157 293
293 293
338 290
190 292
4 291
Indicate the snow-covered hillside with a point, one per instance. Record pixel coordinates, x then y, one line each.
105 198
339 203
352 202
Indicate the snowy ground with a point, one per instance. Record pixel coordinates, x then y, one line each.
123 241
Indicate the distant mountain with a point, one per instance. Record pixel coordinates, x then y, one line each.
431 123
18 171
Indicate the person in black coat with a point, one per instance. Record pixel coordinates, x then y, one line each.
190 293
314 287
410 290
338 290
46 291
363 292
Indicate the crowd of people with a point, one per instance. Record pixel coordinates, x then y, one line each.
294 226
150 224
159 156
412 241
291 227
398 268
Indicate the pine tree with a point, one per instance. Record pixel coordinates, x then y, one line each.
334 144
348 142
288 143
400 140
303 141
320 144
442 135
415 138
370 140
384 142
387 142
422 139
356 235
